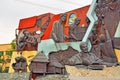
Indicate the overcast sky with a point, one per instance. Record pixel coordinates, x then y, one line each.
11 11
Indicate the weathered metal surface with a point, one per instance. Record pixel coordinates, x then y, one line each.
94 39
49 45
26 39
63 56
29 55
39 24
54 66
40 57
107 52
15 76
39 63
79 32
51 69
57 33
116 42
76 32
38 67
20 64
106 48
87 58
108 12
58 70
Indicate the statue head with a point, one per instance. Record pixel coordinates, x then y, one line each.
26 34
17 59
94 31
22 59
102 38
77 21
84 47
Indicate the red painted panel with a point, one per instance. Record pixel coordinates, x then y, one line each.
49 28
27 22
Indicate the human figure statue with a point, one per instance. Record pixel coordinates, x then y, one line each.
71 29
87 58
20 40
38 35
20 64
94 37
106 48
28 39
57 33
95 42
87 20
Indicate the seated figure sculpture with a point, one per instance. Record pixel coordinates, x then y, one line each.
87 58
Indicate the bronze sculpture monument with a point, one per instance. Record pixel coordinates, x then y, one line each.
71 29
20 64
57 33
87 58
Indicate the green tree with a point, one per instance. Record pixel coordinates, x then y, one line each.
13 44
2 60
0 69
1 54
6 70
9 53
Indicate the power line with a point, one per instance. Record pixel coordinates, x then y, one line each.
40 5
66 1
